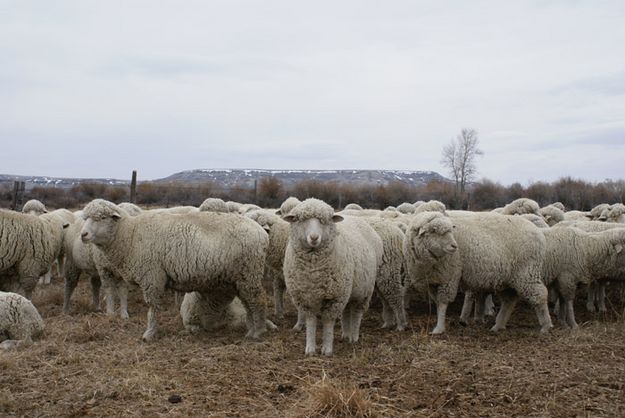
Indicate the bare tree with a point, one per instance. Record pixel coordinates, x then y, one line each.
459 157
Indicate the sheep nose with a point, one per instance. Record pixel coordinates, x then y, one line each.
84 234
314 237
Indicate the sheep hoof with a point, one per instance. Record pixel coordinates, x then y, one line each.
438 331
124 315
309 351
590 308
298 327
326 351
495 328
271 325
400 328
148 336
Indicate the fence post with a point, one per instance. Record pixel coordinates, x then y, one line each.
18 190
133 187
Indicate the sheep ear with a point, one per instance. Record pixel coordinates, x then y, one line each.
420 232
116 216
266 227
337 218
618 248
65 224
278 212
289 218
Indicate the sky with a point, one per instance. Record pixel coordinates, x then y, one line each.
101 88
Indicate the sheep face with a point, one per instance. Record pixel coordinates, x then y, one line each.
432 237
101 222
312 224
614 213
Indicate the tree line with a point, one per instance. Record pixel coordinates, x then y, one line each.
575 194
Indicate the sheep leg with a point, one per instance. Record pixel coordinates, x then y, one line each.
400 314
467 307
96 283
299 325
591 297
508 302
562 311
346 324
441 312
251 293
388 316
110 299
445 294
71 281
328 335
570 315
122 292
489 305
311 334
149 333
480 308
278 295
357 314
601 296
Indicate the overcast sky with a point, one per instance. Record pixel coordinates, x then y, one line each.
99 88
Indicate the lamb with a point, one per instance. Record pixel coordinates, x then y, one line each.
486 252
214 204
406 208
287 206
330 267
389 278
431 206
130 208
521 206
203 312
200 251
19 321
278 230
28 247
574 256
613 214
551 214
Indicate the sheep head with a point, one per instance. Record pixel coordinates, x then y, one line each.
312 224
430 236
101 222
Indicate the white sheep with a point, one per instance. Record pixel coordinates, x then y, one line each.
353 206
596 212
418 203
210 312
486 252
431 206
576 215
287 206
389 278
278 230
28 247
614 214
233 207
198 251
406 208
19 321
130 208
214 204
537 220
576 257
34 207
330 267
558 205
551 214
521 206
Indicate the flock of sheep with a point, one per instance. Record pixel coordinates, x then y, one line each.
217 256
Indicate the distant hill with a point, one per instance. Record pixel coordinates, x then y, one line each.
229 178
246 178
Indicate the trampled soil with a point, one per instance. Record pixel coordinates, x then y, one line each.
88 364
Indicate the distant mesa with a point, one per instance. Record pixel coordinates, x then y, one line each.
246 177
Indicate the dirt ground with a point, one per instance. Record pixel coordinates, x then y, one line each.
88 364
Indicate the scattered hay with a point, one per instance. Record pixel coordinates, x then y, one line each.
7 400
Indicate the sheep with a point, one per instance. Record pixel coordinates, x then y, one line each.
596 289
214 204
210 312
19 321
287 206
28 247
551 214
278 230
431 206
574 256
418 203
613 214
34 207
596 212
233 207
199 251
389 278
176 210
486 252
85 258
521 206
330 267
353 206
558 205
406 208
130 208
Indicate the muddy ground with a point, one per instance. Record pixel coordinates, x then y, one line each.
88 364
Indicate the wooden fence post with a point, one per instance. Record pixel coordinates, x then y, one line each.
133 187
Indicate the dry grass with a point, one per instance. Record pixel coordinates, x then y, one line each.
88 364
